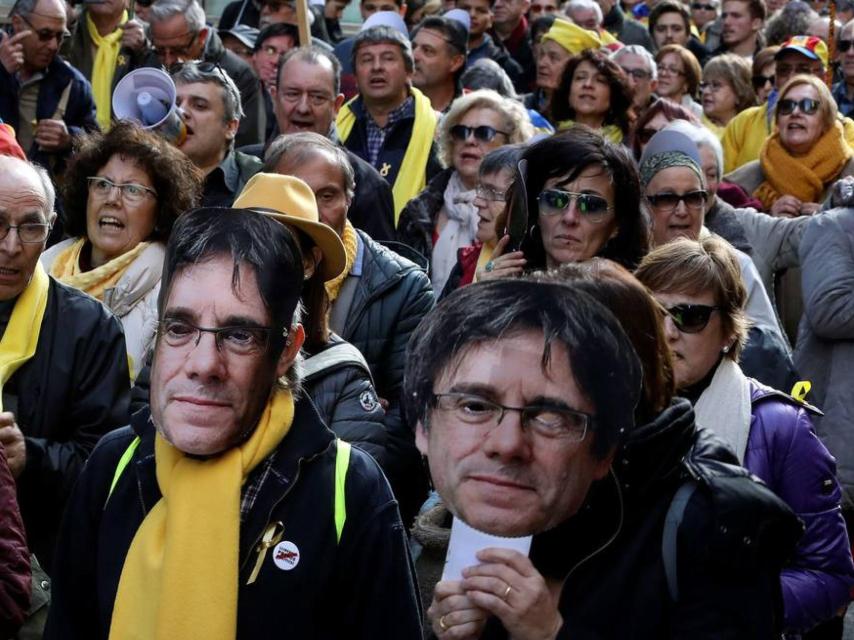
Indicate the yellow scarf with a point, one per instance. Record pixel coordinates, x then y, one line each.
351 245
483 257
66 269
22 333
104 68
804 177
412 177
610 132
180 576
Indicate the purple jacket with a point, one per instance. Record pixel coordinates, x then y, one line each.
785 452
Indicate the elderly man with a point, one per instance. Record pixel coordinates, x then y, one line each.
641 71
179 34
45 99
212 111
228 510
63 362
376 307
549 447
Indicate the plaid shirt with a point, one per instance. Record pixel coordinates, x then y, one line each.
376 134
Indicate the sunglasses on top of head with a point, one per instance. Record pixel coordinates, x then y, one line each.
691 318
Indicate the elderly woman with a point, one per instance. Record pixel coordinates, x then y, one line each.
804 156
582 197
123 192
443 218
594 91
700 286
679 76
726 90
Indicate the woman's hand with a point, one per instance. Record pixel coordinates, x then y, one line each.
502 266
453 615
508 586
786 206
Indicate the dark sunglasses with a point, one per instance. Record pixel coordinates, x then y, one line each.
842 46
761 81
556 201
807 106
669 201
46 35
691 318
699 6
483 133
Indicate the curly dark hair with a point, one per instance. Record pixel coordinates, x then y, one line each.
619 113
175 178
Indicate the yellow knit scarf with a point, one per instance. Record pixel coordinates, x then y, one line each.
180 576
22 333
66 269
104 68
351 245
412 177
804 177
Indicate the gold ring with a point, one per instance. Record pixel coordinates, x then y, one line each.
507 593
442 623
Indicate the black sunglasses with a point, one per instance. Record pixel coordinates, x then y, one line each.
46 35
699 6
691 318
669 201
761 81
843 45
807 106
483 133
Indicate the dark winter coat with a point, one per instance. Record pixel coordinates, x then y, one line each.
14 557
627 30
418 218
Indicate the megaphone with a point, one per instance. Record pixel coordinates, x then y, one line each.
148 96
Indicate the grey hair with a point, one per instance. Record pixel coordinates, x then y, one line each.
504 158
23 7
702 137
584 4
641 51
486 73
315 56
191 10
232 105
299 147
48 189
792 20
384 35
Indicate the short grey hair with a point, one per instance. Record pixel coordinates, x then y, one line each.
385 35
192 11
641 51
486 73
299 147
314 56
584 4
232 105
10 163
702 137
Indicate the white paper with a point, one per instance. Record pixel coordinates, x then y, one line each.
466 542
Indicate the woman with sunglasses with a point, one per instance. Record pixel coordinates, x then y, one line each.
443 218
804 156
700 287
763 69
122 193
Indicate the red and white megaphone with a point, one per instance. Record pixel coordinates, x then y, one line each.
147 96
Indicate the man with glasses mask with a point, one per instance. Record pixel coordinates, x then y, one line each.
179 35
45 99
64 379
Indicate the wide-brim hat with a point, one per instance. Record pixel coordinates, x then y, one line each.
291 201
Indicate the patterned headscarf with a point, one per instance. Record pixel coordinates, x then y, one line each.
650 166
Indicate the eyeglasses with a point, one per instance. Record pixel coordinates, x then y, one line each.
761 81
315 98
238 341
667 202
787 107
699 6
28 233
556 201
488 193
46 35
543 420
177 52
691 318
671 70
842 46
637 74
483 133
132 193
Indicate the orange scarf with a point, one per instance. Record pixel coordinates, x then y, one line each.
804 177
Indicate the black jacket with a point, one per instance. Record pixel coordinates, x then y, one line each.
418 218
362 587
71 392
392 296
627 30
733 540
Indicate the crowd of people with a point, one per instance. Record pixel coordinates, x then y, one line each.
576 273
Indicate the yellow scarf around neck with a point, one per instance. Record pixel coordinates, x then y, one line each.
104 68
351 246
66 269
180 576
804 177
412 177
22 333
